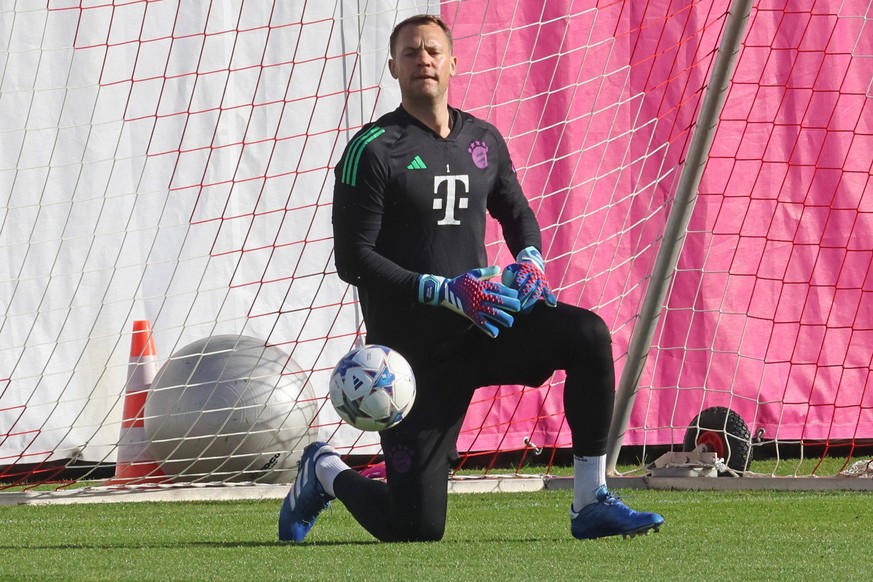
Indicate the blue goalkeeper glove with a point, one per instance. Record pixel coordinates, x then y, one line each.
472 295
527 275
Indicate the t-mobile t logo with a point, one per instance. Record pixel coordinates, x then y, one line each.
451 197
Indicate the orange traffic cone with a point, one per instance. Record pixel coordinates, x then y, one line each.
135 463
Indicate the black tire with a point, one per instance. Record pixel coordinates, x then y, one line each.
721 431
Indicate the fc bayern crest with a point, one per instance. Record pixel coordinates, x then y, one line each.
479 151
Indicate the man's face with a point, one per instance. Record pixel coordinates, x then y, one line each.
422 63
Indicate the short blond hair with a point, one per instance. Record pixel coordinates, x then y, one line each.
419 20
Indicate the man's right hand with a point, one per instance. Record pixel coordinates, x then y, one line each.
472 295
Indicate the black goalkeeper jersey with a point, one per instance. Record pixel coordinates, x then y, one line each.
407 202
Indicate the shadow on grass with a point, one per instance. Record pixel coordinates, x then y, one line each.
268 544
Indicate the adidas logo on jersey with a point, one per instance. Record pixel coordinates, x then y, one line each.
416 164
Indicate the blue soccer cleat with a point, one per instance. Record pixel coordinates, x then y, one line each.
608 516
306 498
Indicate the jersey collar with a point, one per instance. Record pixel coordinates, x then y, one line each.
454 122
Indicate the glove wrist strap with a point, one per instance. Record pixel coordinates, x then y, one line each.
429 289
531 255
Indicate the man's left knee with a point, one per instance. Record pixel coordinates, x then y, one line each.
589 330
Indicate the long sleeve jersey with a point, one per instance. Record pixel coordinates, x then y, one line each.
408 202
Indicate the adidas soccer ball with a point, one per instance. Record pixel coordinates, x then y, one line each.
372 388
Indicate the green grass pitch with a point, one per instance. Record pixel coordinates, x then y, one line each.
500 536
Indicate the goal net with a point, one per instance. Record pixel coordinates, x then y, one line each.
166 168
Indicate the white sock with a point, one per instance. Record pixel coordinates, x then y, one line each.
327 467
589 473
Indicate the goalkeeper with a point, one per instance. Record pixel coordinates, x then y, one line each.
409 214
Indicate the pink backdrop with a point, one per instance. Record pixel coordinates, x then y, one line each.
770 310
